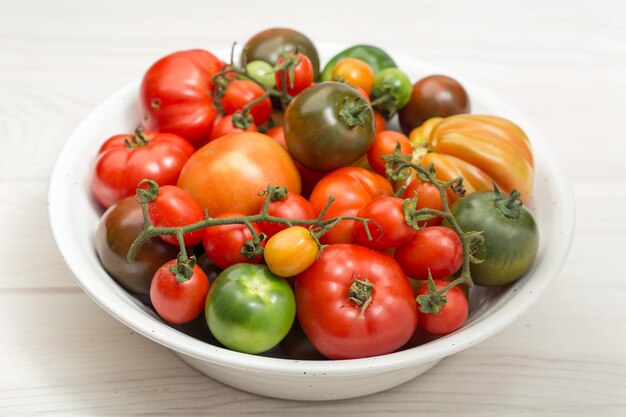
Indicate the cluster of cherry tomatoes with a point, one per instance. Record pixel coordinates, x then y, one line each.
308 223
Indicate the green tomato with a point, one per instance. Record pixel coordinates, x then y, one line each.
374 56
391 91
249 309
510 233
261 71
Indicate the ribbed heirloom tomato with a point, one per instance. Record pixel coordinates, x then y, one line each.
227 174
355 302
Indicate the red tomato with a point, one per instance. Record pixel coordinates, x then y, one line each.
293 207
241 92
175 95
389 230
337 321
175 207
125 160
352 187
437 248
380 122
302 79
308 176
223 244
178 302
427 197
224 126
384 144
451 316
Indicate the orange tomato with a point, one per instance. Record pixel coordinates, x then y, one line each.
355 72
290 251
482 150
227 174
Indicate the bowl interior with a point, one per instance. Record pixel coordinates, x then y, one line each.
74 217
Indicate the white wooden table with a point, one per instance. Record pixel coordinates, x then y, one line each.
562 63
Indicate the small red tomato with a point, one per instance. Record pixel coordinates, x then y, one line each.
223 243
241 92
380 122
175 207
125 160
178 302
452 314
389 228
427 197
436 249
224 126
302 78
385 144
293 207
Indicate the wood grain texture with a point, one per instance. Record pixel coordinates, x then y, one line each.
562 63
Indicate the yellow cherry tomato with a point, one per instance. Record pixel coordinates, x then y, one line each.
355 72
290 251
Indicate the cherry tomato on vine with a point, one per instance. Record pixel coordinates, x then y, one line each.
354 72
262 72
290 251
175 207
355 302
385 144
178 302
436 249
224 126
241 92
302 75
292 207
389 229
125 160
427 197
452 314
393 88
223 243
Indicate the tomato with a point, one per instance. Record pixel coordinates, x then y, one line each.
293 207
249 309
380 122
223 243
375 57
262 72
125 160
510 233
175 207
302 75
451 316
178 302
352 188
436 249
433 96
427 197
290 251
224 126
389 228
354 72
395 87
227 174
308 177
385 144
355 302
328 126
175 95
482 150
241 92
118 228
269 44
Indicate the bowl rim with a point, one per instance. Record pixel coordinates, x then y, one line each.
467 336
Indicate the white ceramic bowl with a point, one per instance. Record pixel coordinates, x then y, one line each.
74 217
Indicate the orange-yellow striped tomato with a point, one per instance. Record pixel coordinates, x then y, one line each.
290 251
482 150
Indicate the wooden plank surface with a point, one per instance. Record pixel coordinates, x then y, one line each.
562 63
